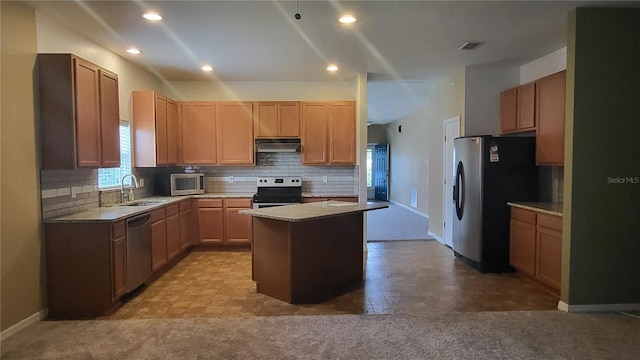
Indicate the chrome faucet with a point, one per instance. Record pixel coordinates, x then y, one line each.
135 184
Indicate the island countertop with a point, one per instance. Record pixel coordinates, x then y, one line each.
311 211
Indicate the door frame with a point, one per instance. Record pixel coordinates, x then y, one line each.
447 196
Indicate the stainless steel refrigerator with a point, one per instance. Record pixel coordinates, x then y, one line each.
490 171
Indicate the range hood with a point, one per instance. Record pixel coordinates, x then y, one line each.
277 145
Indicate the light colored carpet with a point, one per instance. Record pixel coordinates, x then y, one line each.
396 223
481 335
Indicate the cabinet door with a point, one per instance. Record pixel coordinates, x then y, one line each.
526 96
265 119
210 225
342 134
173 132
289 119
508 114
315 119
198 132
173 231
119 261
522 244
549 259
185 229
234 133
87 114
161 130
158 240
238 227
550 112
109 120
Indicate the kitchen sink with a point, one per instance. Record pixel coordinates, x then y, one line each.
144 203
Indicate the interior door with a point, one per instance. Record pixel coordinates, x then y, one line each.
381 171
451 131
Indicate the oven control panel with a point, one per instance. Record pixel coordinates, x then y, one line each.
286 181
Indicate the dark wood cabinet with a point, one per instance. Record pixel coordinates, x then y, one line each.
85 264
274 119
550 114
79 113
536 246
328 133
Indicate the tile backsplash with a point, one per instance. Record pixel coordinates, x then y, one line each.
69 191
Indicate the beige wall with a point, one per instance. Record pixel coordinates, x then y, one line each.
55 38
417 152
20 244
261 90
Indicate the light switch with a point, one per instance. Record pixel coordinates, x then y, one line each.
324 178
141 182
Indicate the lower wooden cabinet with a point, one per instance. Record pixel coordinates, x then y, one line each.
220 224
173 231
158 239
85 264
536 245
186 224
170 233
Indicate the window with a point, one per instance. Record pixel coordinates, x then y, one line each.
109 178
369 167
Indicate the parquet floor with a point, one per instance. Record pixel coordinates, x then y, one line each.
409 277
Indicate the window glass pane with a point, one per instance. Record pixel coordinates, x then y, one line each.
111 177
369 167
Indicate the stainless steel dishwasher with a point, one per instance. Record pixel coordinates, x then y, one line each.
138 250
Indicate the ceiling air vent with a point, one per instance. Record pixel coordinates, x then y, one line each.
470 45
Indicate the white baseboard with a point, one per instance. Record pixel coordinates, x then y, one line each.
40 315
597 307
437 237
410 209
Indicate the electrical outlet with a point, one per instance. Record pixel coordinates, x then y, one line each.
74 192
324 178
230 179
141 182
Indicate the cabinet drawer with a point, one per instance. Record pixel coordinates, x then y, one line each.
549 221
210 203
157 215
184 205
238 203
118 230
171 209
526 216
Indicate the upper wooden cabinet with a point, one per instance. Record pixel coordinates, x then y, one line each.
328 133
155 128
276 119
79 113
198 132
550 114
517 109
234 133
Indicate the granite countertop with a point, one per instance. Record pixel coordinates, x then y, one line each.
120 212
311 211
551 208
312 195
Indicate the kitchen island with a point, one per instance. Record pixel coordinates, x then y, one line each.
307 253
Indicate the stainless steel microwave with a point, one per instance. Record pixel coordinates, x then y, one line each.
179 184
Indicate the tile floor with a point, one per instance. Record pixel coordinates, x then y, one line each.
409 277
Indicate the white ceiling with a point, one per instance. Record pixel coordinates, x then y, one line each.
392 41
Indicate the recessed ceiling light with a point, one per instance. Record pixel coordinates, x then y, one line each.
152 16
133 51
207 68
332 68
347 19
470 45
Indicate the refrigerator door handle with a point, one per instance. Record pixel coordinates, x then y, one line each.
458 192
